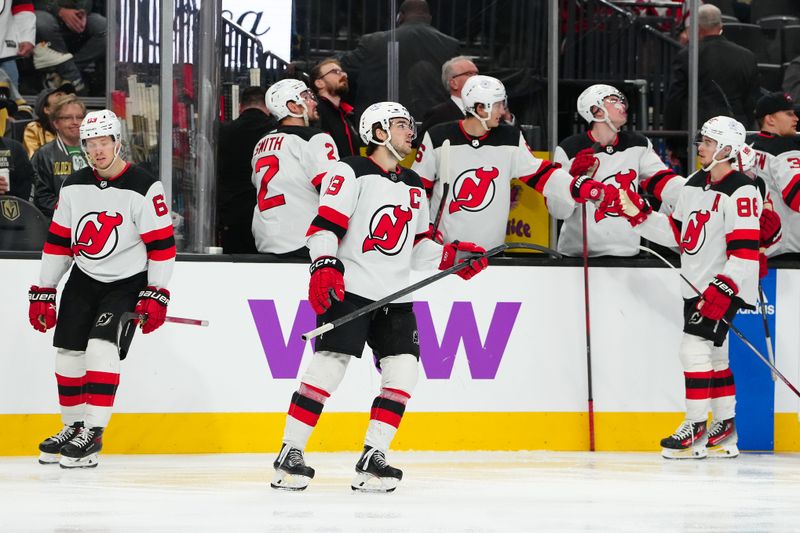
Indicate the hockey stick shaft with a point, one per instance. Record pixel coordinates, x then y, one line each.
733 328
763 308
444 177
584 225
422 283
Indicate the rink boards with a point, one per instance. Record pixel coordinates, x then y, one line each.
503 364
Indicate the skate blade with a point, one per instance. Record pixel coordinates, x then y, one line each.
723 451
90 461
364 482
286 481
49 458
688 453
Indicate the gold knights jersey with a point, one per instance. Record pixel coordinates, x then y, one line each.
716 226
778 164
112 228
480 174
626 163
380 220
288 165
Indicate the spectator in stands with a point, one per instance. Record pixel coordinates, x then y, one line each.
728 79
455 72
41 131
330 83
422 50
17 35
71 26
16 172
59 158
236 196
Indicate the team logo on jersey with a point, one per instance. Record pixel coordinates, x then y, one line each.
388 230
694 236
474 189
621 180
97 234
104 319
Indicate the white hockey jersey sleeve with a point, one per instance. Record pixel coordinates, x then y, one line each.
658 179
427 253
785 172
57 253
337 202
742 210
154 223
319 156
663 229
426 163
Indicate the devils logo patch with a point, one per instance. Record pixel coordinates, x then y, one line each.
97 234
621 180
474 190
694 236
388 229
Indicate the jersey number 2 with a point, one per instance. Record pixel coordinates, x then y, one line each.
270 164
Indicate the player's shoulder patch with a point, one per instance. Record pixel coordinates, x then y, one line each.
733 182
575 143
446 130
304 132
774 145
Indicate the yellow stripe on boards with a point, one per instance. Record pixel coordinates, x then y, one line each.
132 433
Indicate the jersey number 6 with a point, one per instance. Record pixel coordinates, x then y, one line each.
268 163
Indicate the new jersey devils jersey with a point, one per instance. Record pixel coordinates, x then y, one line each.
380 219
288 165
778 164
480 173
623 164
716 226
113 228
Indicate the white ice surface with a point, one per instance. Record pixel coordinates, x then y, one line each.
442 492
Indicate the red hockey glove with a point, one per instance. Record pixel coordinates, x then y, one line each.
610 204
585 188
770 228
717 297
450 255
583 162
153 304
763 268
42 309
327 279
634 207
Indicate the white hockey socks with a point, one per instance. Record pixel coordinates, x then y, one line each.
102 380
71 381
384 418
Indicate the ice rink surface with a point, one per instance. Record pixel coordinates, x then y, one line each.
441 492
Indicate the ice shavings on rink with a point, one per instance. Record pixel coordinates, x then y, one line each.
440 492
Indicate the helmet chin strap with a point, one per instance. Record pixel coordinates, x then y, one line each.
608 121
388 144
483 121
714 159
304 116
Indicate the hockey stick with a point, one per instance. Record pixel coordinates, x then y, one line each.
444 176
127 327
763 308
733 328
423 283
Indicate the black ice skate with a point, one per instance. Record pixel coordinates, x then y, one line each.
688 442
373 473
291 472
50 448
722 439
82 449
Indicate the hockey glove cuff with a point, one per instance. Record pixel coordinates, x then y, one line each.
717 297
153 305
634 207
458 252
327 280
42 308
585 188
770 228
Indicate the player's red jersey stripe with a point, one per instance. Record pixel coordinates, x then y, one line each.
19 7
60 231
791 193
538 179
316 181
157 234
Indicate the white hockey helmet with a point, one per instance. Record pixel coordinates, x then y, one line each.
99 124
728 132
484 90
281 93
594 96
745 159
382 113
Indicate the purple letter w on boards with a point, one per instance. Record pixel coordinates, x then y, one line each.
285 353
483 357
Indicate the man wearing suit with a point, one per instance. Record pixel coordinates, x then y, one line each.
422 50
455 72
727 79
236 196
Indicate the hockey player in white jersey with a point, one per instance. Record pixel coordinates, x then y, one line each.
620 159
716 226
288 165
371 229
778 164
113 222
484 156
